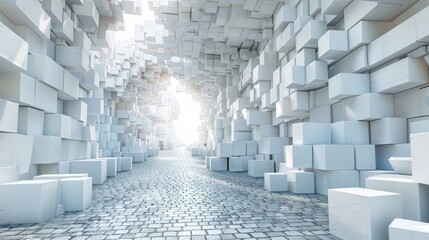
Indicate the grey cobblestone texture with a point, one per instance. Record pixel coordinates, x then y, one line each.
173 196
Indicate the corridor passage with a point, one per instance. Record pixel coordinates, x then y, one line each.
173 196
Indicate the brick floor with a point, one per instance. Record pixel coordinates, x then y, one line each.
173 196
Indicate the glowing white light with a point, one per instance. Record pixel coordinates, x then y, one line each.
189 117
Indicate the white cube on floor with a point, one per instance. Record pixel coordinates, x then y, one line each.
365 157
311 133
275 182
299 156
301 182
389 131
224 150
362 214
401 229
76 190
333 157
415 196
335 179
257 168
96 168
419 156
31 201
401 165
236 164
251 148
8 116
207 162
126 163
111 166
218 164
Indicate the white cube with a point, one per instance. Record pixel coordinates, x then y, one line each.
58 125
18 87
350 132
46 70
335 179
308 36
30 121
257 168
77 110
46 149
345 85
389 131
333 44
45 97
365 157
10 58
218 163
316 74
111 166
333 157
401 165
275 182
224 150
251 148
363 175
273 145
299 156
401 229
369 106
415 196
311 133
371 210
31 201
195 152
126 163
96 168
301 182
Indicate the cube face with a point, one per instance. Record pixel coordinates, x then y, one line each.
369 106
30 121
257 168
238 148
275 182
326 180
301 182
297 156
371 210
45 98
97 169
46 149
365 157
224 150
389 131
218 164
346 85
58 125
316 74
403 228
333 157
18 87
10 59
333 44
308 36
8 116
350 132
311 133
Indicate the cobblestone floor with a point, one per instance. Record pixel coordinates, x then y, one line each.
173 196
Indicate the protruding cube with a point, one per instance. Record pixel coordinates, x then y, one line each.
275 182
301 182
333 157
299 156
257 168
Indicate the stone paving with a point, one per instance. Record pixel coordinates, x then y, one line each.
173 196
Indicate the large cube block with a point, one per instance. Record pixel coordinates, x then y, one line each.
32 201
299 156
311 133
389 131
218 163
16 149
70 89
8 116
111 166
407 229
333 157
251 148
257 168
333 44
45 98
9 174
414 195
46 149
30 121
275 182
293 76
273 145
96 168
369 106
238 148
316 74
335 179
126 163
77 110
18 87
371 210
345 85
254 117
401 165
58 125
74 59
46 70
400 76
419 154
300 182
350 132
224 150
10 58
309 35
